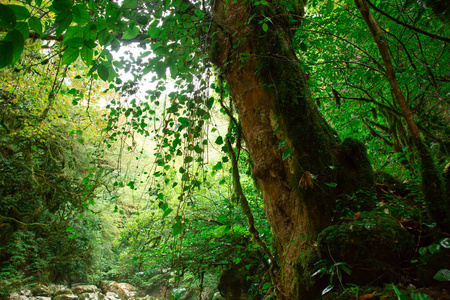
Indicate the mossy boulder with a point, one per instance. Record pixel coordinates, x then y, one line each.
375 248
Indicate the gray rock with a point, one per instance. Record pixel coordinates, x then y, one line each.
218 296
26 292
81 289
66 297
16 296
131 291
62 291
112 296
89 296
41 290
115 287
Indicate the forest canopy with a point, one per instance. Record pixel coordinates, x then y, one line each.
266 149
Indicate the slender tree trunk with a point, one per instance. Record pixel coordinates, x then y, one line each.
278 117
438 203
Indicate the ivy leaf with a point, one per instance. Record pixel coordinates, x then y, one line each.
70 55
287 153
219 140
442 275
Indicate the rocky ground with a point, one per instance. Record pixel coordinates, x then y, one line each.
107 290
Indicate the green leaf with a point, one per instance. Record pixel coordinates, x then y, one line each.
23 28
331 184
281 144
7 17
219 140
74 42
167 212
73 236
330 6
327 289
445 243
103 72
35 25
70 229
70 55
218 166
265 27
178 293
287 153
435 248
81 14
129 4
130 33
400 295
16 42
419 296
266 285
87 55
176 228
20 12
6 53
442 275
62 5
64 21
303 47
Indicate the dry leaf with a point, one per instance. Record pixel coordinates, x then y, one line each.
306 180
368 296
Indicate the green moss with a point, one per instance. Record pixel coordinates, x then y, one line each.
376 243
304 267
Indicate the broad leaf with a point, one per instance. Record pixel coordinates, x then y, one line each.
35 25
7 17
70 55
17 40
81 14
20 12
287 153
442 275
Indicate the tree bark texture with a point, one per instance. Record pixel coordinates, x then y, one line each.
270 91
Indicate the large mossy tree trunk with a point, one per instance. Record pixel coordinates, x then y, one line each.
270 91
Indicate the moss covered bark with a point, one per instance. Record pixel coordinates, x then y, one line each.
296 153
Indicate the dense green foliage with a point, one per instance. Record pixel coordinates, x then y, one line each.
105 175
